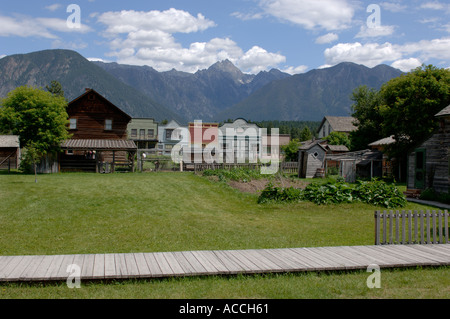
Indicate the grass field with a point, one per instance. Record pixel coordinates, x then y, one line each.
121 213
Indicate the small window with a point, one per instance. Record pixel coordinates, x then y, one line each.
133 132
108 125
73 124
142 134
169 134
69 152
151 133
316 154
169 147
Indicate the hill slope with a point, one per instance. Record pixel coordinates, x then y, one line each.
75 73
195 96
310 96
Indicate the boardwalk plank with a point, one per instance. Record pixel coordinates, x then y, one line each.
415 253
110 266
99 266
287 259
163 264
211 258
405 255
121 266
132 268
41 271
16 273
28 273
144 271
87 271
61 272
153 266
195 263
176 267
229 262
191 263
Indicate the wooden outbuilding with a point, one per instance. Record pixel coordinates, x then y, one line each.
429 163
9 152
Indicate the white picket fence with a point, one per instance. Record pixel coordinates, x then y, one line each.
411 227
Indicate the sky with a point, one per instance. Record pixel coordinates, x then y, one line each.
294 36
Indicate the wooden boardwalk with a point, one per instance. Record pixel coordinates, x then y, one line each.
223 262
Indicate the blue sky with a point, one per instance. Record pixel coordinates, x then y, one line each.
292 35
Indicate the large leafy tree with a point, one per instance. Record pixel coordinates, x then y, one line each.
409 105
405 108
366 110
38 117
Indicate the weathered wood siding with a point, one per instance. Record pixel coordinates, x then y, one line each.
12 161
91 110
437 159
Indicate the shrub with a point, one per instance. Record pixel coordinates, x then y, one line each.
375 192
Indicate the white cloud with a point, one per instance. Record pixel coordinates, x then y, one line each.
312 14
370 54
53 7
25 26
407 65
401 55
393 6
327 38
147 38
379 31
169 21
257 59
295 70
433 5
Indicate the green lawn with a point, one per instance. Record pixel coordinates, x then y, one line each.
121 213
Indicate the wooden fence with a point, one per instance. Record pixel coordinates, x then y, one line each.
411 227
285 167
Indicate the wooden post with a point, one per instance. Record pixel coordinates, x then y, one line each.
377 227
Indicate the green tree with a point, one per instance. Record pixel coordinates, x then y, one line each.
291 150
55 89
338 138
38 117
369 119
409 105
306 134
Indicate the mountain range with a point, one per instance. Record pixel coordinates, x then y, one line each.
218 93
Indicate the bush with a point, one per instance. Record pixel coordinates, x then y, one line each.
375 192
236 174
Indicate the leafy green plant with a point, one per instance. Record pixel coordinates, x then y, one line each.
375 192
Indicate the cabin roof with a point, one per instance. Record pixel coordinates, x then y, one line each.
99 145
9 141
88 91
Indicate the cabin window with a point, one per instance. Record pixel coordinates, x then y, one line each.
108 125
73 124
134 133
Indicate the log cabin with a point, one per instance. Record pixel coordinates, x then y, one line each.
98 131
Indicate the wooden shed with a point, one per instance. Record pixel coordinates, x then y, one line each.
9 152
429 163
